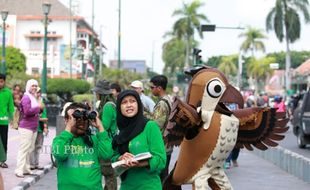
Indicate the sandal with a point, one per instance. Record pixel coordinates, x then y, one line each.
3 165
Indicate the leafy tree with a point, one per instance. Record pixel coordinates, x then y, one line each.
297 58
66 88
228 65
122 77
188 23
214 61
284 19
259 69
173 54
252 40
15 61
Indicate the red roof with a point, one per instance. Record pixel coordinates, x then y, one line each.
304 68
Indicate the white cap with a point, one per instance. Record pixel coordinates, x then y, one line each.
137 84
64 108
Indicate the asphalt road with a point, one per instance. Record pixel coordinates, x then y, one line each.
290 143
253 172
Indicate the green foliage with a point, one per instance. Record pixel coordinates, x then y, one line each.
228 65
174 54
189 20
15 61
66 88
214 61
252 41
184 29
122 77
83 97
284 19
260 68
18 78
297 58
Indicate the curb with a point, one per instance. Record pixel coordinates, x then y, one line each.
28 181
288 161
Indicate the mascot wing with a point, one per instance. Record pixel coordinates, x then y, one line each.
183 118
260 127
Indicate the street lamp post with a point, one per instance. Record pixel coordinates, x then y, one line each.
4 15
119 36
80 52
46 9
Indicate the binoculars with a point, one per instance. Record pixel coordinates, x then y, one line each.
84 114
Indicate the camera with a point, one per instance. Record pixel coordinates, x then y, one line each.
84 114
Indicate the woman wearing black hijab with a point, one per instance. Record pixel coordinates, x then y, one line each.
138 135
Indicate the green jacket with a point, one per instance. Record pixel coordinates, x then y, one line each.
150 140
41 123
6 106
108 118
78 165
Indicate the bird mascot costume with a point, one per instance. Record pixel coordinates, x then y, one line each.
207 131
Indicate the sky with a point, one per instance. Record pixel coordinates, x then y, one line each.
144 23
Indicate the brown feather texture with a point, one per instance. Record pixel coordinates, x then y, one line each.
260 127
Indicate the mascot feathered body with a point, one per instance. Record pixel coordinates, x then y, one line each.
207 131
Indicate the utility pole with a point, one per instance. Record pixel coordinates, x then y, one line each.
119 35
239 75
101 52
70 43
4 15
92 42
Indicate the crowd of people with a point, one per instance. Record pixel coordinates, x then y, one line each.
126 123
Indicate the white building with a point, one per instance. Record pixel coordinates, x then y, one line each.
25 30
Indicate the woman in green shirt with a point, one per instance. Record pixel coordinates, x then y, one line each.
137 135
107 114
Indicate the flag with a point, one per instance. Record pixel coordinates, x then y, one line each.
90 66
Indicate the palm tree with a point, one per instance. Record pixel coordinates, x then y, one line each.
173 54
188 23
259 70
252 42
285 21
228 66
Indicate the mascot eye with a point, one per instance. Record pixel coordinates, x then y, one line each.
215 88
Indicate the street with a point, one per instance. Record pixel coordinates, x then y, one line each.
253 172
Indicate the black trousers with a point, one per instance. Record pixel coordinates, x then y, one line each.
4 136
164 173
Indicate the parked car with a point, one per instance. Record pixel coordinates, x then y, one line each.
301 121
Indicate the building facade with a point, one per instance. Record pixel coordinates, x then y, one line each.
25 30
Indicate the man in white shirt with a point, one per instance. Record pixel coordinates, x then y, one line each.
147 102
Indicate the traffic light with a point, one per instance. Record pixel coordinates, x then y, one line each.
196 57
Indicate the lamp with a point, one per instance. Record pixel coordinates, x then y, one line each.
4 15
46 7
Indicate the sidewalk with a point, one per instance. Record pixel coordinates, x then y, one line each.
9 178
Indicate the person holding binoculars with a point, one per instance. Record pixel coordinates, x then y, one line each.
77 151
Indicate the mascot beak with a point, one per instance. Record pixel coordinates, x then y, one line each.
232 95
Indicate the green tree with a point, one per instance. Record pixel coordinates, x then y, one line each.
121 76
284 19
66 88
252 42
259 69
173 54
15 61
214 61
189 22
228 66
297 58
